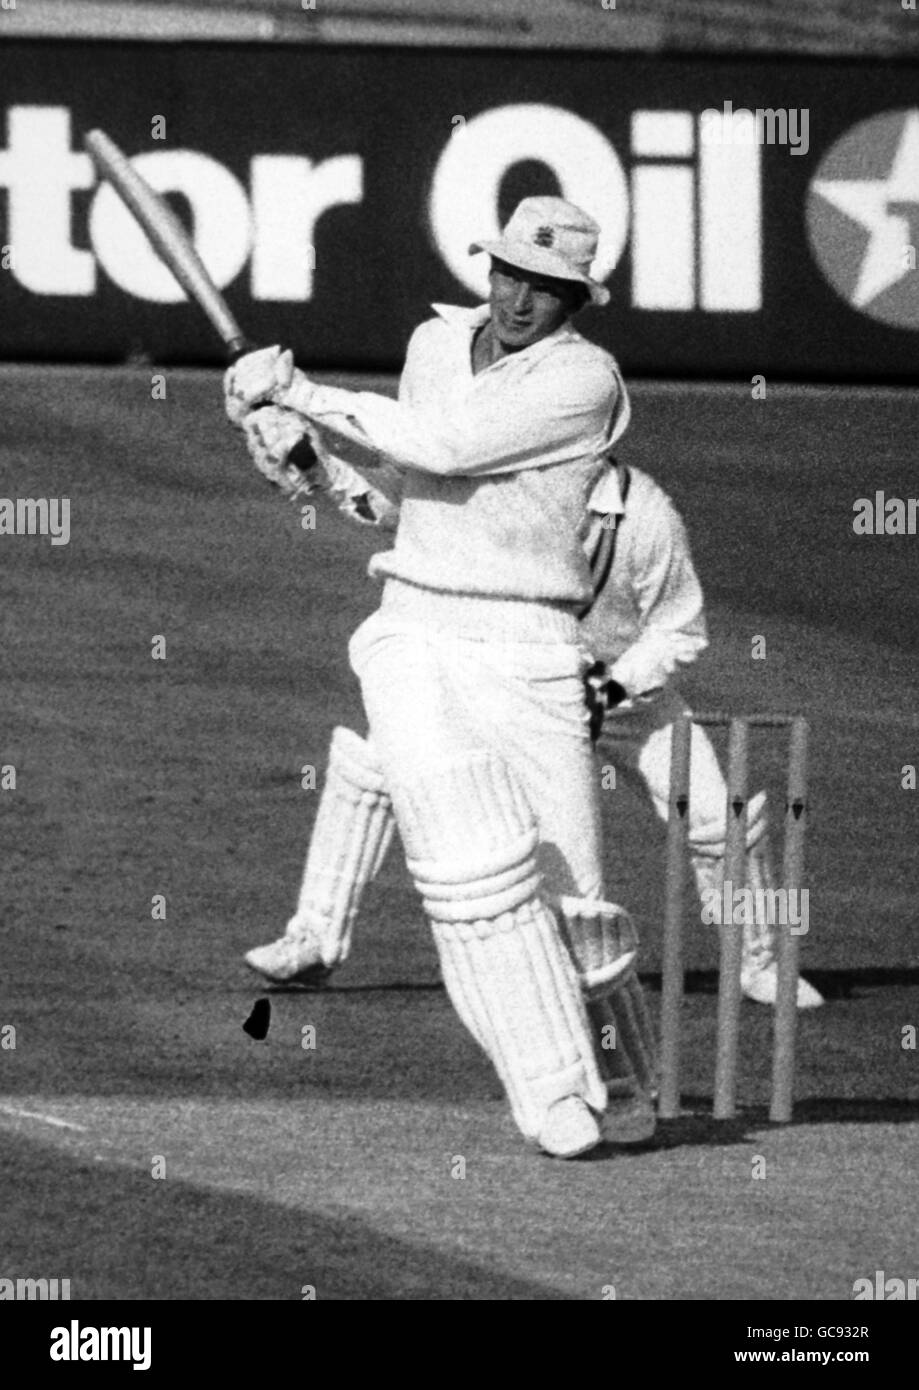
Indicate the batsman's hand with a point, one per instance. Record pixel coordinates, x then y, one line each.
271 435
258 377
295 394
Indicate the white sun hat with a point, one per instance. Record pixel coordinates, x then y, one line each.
550 236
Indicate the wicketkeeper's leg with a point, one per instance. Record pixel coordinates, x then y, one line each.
707 848
351 834
641 739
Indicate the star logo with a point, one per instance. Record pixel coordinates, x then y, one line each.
544 236
863 217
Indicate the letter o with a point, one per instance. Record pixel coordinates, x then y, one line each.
221 219
463 202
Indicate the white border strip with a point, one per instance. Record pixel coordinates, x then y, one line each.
90 19
475 24
45 1119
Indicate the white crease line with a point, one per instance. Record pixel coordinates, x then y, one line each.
45 1119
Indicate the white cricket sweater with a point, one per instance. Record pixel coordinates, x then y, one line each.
498 466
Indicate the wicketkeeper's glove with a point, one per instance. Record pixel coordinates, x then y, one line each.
601 693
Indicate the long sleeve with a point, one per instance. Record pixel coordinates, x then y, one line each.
668 595
495 467
548 417
371 504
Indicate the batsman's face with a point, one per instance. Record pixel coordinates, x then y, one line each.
525 306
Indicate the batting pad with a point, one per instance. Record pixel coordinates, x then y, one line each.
602 940
472 854
352 832
636 1032
603 943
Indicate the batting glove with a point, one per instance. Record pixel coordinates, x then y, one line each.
258 377
271 435
296 394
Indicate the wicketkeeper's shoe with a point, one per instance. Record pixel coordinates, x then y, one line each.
629 1120
291 960
759 982
570 1129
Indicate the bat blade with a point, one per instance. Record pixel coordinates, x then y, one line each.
167 236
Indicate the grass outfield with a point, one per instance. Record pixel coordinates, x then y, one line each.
332 1167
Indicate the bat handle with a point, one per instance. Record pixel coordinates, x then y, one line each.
238 347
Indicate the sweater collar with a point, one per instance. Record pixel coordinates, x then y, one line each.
606 498
466 321
460 317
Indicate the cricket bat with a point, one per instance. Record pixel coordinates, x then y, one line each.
168 238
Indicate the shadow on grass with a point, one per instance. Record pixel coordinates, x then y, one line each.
116 1233
383 987
832 984
697 1126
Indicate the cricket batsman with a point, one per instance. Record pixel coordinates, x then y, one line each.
472 670
644 621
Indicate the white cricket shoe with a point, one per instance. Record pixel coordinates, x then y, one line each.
759 982
629 1120
570 1129
291 960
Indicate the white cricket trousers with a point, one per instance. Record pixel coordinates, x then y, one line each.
432 693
